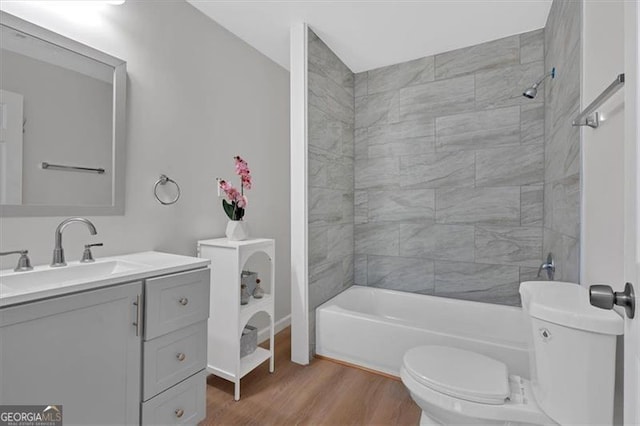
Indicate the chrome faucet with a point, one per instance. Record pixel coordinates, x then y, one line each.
24 263
549 266
58 251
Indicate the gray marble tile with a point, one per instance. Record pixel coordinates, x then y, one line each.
316 89
318 244
347 209
563 92
348 271
320 57
340 241
531 205
562 50
434 241
532 123
394 77
377 239
380 108
503 87
360 269
334 100
340 102
378 173
361 206
405 205
348 140
562 206
490 55
361 137
340 174
478 282
552 243
325 206
330 170
566 253
529 274
360 80
400 273
562 151
438 170
400 147
490 206
400 139
325 281
317 170
532 46
503 245
571 257
438 98
478 129
511 166
324 132
403 130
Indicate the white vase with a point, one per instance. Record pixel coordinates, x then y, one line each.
237 230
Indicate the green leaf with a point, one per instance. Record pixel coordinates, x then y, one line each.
232 210
228 209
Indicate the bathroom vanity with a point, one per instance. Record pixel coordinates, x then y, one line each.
122 340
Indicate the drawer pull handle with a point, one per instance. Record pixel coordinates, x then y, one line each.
181 356
179 412
183 301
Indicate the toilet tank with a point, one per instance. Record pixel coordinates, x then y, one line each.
572 347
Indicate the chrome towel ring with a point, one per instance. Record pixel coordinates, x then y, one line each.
163 181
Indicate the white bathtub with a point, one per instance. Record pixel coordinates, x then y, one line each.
373 328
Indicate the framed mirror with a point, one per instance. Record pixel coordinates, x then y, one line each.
62 125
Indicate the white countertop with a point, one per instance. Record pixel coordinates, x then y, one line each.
45 281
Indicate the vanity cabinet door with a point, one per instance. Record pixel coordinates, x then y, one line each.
81 351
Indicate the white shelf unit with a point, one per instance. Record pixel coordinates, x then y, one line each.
227 317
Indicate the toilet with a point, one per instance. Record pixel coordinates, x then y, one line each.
572 361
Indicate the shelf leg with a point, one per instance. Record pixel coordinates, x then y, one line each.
236 389
272 360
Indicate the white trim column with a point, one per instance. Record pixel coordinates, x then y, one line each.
299 198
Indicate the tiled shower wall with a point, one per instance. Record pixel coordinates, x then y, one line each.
331 167
449 172
562 141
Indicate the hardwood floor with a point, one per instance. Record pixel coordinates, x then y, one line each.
322 393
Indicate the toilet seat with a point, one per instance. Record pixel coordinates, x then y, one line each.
459 373
448 404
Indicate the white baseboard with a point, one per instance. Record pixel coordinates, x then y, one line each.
263 334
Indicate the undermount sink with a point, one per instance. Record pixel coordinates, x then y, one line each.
48 277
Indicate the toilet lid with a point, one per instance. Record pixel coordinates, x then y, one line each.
459 373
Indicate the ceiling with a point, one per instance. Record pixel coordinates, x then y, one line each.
371 34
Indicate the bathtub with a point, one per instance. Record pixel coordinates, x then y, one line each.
373 328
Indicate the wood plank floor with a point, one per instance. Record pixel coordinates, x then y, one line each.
322 393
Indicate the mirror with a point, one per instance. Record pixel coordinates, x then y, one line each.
62 125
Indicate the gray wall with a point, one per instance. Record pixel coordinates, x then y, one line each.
331 165
562 141
197 96
449 171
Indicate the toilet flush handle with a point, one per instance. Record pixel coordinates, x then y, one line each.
602 296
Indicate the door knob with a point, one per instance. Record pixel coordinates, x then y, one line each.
602 296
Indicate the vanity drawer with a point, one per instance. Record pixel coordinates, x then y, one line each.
185 403
176 301
173 357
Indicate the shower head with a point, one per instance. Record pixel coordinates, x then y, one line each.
532 91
